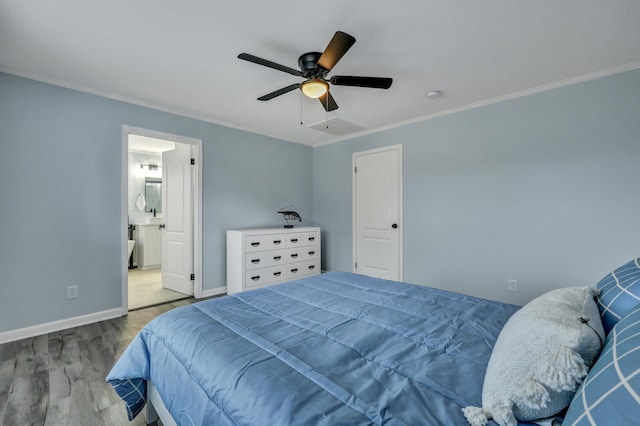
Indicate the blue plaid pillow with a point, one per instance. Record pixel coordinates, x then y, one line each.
619 293
609 395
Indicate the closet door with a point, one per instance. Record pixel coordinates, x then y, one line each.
377 210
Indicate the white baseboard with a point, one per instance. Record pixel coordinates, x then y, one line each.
50 327
213 292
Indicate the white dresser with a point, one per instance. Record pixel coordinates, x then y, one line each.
264 256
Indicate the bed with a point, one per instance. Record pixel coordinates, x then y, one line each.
337 348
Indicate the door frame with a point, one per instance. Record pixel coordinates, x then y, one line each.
354 157
196 150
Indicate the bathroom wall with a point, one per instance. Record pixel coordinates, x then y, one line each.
136 181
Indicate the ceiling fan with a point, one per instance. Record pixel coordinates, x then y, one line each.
314 67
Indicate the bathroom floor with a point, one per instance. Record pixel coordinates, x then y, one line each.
145 289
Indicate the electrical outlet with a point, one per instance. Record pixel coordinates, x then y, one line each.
72 292
513 285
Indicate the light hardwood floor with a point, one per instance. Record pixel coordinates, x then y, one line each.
145 289
59 378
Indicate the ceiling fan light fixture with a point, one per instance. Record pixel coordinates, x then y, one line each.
314 88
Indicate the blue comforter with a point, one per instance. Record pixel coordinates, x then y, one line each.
333 349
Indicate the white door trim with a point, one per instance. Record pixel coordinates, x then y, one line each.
197 205
400 202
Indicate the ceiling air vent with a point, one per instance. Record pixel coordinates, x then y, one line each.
336 127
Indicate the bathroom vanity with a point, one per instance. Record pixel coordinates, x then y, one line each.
148 240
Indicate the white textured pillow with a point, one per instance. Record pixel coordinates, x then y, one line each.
541 356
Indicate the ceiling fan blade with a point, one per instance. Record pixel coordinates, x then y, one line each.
279 92
267 63
337 47
373 82
328 102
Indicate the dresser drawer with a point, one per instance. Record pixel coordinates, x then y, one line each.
254 243
263 259
300 254
301 269
263 276
303 239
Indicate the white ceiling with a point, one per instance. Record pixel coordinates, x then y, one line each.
181 56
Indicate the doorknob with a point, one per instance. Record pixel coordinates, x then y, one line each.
161 226
394 226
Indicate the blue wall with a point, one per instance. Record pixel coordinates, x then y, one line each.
61 201
544 189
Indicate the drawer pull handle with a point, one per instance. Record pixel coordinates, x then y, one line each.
294 270
277 274
294 255
277 257
276 242
254 261
255 244
311 253
294 240
255 278
312 266
312 238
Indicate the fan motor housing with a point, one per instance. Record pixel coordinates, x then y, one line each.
308 63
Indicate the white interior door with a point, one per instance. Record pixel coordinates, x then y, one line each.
377 210
177 244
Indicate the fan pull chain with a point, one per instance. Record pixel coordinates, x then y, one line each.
327 109
301 108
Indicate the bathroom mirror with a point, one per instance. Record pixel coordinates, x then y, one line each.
153 194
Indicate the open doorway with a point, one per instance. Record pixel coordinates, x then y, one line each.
162 192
